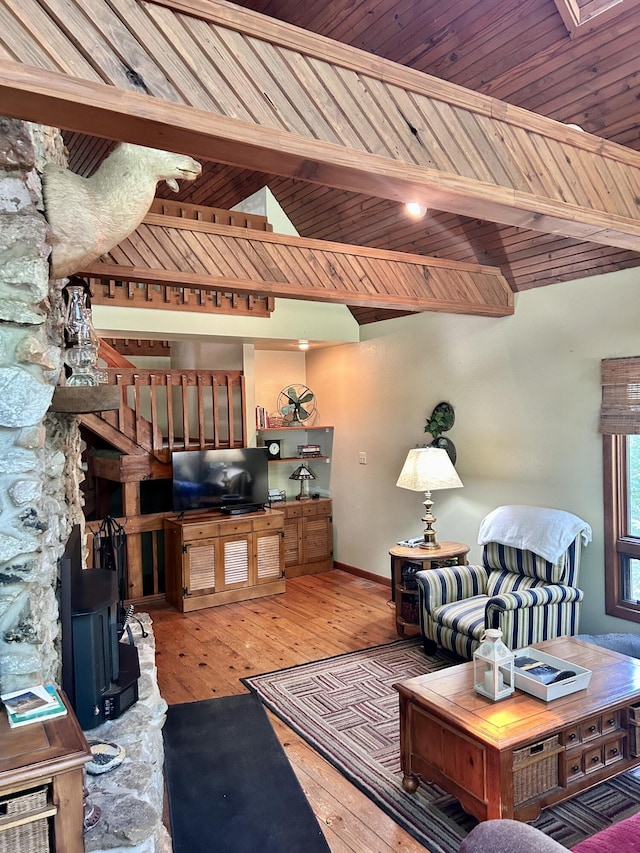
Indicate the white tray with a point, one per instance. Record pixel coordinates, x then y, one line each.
547 692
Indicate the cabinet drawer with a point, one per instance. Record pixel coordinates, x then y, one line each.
310 508
570 737
195 532
593 759
614 751
317 507
590 728
573 767
293 510
232 527
269 522
610 722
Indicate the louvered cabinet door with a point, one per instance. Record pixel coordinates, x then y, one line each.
293 536
269 551
316 538
308 534
235 564
200 563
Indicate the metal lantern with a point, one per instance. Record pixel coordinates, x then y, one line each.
493 666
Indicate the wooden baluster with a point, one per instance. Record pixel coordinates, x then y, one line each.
200 402
136 410
230 419
154 561
185 409
156 435
170 433
215 403
243 414
123 403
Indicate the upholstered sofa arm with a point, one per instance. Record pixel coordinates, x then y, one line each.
441 586
540 596
507 836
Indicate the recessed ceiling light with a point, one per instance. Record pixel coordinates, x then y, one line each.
303 344
415 209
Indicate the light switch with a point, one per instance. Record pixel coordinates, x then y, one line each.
362 457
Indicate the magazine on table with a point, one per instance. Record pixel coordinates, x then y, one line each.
33 705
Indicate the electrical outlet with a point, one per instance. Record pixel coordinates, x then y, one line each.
362 457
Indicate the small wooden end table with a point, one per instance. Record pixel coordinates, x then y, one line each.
51 755
511 758
406 598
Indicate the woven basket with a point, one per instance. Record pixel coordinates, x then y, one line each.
410 612
25 801
535 770
29 838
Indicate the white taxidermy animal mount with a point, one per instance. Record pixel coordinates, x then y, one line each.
89 216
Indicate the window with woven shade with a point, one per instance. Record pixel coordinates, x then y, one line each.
620 428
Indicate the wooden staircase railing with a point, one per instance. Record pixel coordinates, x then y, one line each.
166 410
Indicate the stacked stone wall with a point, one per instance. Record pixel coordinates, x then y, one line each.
39 453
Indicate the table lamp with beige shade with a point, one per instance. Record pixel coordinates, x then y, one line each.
425 470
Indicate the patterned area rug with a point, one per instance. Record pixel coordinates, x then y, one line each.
347 709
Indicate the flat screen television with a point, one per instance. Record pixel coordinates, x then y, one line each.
234 480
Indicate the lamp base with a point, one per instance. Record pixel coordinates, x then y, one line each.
430 543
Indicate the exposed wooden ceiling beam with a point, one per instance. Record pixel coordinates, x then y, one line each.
174 251
313 109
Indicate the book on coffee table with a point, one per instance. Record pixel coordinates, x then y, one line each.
33 705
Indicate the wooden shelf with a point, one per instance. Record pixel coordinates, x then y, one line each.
85 399
291 429
300 459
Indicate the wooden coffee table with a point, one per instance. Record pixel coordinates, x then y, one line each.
510 759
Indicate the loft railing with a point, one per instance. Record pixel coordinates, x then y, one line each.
166 410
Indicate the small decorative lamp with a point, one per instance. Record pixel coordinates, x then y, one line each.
428 468
493 666
303 474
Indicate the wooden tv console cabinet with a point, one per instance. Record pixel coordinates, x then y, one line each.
510 759
213 558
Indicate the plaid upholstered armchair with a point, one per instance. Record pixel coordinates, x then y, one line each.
526 585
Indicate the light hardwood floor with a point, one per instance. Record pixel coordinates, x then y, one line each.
203 654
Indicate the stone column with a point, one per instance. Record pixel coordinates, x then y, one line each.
38 495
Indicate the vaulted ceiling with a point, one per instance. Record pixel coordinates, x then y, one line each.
574 62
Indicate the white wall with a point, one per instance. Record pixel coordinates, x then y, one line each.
526 392
274 370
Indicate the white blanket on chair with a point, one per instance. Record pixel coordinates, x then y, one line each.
547 532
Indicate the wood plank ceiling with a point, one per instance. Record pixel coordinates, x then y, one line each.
519 52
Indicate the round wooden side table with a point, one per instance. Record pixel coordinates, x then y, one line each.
411 560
